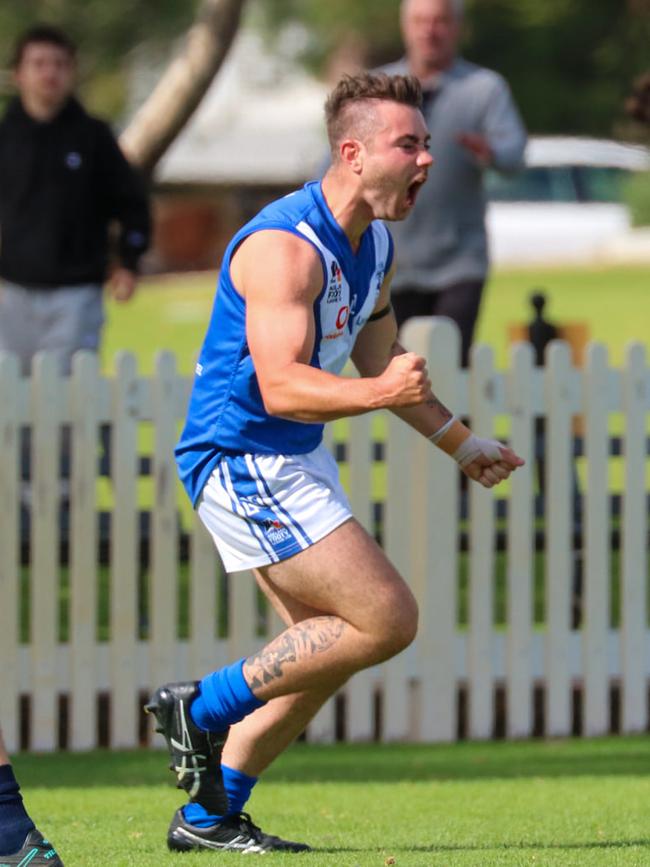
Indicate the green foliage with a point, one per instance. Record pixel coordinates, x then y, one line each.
570 63
637 195
370 25
105 33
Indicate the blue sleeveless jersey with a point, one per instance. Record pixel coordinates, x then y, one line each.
226 414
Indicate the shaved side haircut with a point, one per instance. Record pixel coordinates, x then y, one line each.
349 107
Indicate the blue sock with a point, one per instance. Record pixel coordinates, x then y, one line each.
237 784
224 699
15 824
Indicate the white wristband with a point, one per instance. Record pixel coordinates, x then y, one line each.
436 436
473 446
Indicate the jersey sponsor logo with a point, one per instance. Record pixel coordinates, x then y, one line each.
342 317
276 532
198 369
334 294
335 287
341 321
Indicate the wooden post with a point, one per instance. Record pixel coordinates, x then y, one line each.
48 409
634 561
125 409
83 560
10 388
433 518
560 405
596 590
360 690
481 557
519 682
164 556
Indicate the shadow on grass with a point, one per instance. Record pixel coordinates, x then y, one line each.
466 761
520 846
364 763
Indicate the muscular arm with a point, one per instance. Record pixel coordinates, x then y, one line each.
484 461
376 345
280 276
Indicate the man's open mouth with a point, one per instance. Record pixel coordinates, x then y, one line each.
413 190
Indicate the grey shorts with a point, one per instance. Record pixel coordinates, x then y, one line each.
60 320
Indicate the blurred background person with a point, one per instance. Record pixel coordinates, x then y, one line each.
474 124
63 180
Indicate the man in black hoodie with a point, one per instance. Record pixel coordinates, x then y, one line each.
63 181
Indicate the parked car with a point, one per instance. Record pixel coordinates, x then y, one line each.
566 205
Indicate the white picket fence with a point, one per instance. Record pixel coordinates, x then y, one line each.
419 690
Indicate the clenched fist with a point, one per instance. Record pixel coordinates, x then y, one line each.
405 382
486 461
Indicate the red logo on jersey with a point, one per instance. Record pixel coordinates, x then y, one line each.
342 317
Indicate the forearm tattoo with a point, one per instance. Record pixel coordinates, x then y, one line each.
434 403
299 642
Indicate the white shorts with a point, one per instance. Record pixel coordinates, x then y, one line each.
261 509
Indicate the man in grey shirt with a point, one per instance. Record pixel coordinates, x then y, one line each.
442 255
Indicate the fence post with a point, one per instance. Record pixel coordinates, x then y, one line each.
125 408
83 550
558 518
433 516
48 409
359 691
163 588
481 557
634 564
519 681
10 547
597 536
396 690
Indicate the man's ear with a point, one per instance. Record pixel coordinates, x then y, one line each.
352 150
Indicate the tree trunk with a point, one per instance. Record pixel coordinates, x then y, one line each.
183 85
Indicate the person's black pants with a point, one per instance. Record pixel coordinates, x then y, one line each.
460 302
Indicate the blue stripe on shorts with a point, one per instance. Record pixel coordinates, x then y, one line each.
225 478
279 508
269 525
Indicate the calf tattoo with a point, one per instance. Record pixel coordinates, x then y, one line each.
299 642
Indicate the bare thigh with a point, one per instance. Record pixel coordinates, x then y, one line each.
344 574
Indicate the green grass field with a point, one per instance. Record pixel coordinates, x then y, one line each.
172 312
571 802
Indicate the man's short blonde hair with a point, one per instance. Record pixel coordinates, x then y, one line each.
344 108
